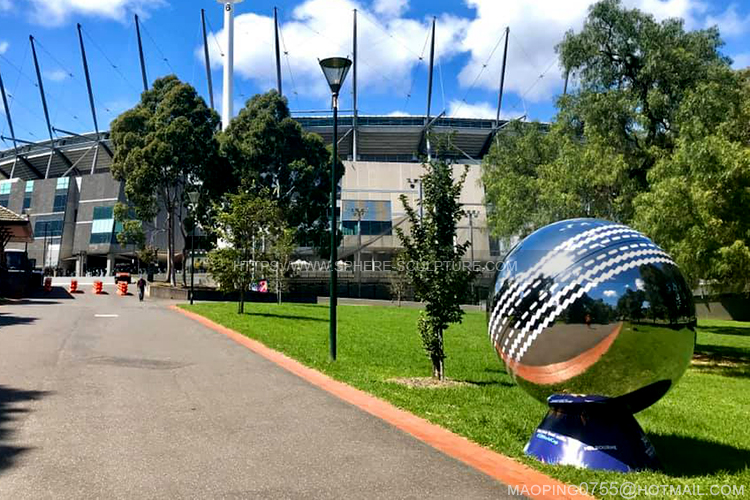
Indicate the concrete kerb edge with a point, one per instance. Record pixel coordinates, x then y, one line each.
499 467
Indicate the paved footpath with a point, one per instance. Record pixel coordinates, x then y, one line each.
150 404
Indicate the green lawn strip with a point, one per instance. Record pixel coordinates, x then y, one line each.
700 429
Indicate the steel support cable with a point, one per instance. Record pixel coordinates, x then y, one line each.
484 66
12 97
420 61
379 74
18 80
288 64
378 26
164 58
213 35
114 66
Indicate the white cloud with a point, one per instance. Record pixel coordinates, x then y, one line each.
5 5
610 293
730 22
4 47
56 75
386 60
460 109
535 29
741 61
398 113
57 12
390 8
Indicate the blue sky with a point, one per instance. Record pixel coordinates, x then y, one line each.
392 37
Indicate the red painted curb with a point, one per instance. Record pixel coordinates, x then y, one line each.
528 481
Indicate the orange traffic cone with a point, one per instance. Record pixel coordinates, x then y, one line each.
73 286
97 287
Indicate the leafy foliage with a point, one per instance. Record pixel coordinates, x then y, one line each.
655 135
241 221
266 148
163 145
433 258
700 198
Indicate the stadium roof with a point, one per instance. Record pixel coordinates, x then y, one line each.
379 138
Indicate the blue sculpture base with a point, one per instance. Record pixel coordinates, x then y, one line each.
593 432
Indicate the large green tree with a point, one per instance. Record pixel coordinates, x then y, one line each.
164 146
699 203
632 74
432 258
266 148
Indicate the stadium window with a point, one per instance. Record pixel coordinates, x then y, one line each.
5 193
28 192
61 200
102 226
48 228
61 194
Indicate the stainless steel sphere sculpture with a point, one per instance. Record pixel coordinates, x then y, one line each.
590 307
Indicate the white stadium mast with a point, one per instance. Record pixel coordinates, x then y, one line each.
227 110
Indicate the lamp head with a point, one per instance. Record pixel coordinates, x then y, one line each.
335 70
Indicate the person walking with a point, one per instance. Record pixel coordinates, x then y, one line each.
141 288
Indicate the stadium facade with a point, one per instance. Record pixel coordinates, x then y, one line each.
67 190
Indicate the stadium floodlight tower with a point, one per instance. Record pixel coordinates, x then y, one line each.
228 98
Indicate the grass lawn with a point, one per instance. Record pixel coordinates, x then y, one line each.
701 429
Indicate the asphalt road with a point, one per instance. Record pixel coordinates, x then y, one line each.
145 403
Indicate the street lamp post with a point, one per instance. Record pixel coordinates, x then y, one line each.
335 70
417 182
359 213
472 214
193 196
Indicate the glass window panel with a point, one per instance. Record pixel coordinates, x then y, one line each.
60 201
63 182
102 226
103 213
5 188
29 186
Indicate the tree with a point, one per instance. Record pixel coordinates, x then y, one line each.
282 248
699 202
398 281
241 221
433 258
266 148
163 145
633 74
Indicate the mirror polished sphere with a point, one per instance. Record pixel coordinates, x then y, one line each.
590 307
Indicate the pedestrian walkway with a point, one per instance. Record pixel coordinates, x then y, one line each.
106 397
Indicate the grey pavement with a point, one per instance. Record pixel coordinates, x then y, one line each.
150 404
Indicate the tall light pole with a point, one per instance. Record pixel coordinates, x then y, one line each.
472 214
227 107
359 213
413 183
193 196
335 70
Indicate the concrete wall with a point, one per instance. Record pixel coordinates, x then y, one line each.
388 181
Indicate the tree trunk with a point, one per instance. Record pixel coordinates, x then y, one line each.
438 369
438 359
241 305
184 266
170 246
